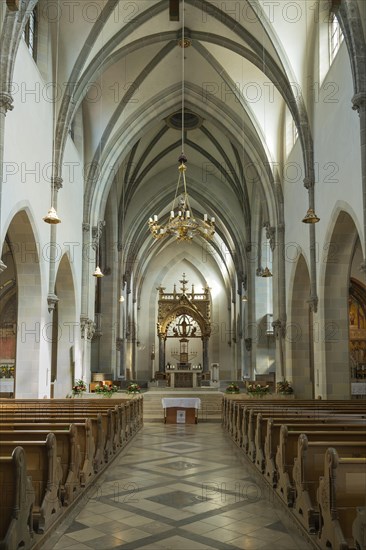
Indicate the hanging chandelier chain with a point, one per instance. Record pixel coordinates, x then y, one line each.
183 75
55 107
182 224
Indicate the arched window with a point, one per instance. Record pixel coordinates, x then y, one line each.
30 34
335 37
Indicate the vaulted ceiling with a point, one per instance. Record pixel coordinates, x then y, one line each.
123 65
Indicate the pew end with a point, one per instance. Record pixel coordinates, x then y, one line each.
16 503
341 490
359 528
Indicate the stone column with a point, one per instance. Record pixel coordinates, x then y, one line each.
205 340
161 353
248 373
6 104
87 332
359 105
279 332
52 298
84 314
309 183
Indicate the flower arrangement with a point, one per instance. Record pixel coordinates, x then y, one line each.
78 388
133 388
284 387
105 390
232 388
257 390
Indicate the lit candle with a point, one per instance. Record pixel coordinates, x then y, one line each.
188 214
172 213
205 217
179 213
150 220
213 220
155 218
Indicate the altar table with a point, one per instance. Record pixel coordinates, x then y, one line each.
181 410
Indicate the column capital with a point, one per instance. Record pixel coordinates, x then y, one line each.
6 102
86 226
359 101
87 327
363 266
57 183
270 234
51 301
313 303
119 344
279 329
308 183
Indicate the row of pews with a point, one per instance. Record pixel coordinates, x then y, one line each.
313 455
50 451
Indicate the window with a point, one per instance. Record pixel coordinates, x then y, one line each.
335 37
30 34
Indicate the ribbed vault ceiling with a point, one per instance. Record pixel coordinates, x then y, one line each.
124 71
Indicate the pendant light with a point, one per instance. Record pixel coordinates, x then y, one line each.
52 217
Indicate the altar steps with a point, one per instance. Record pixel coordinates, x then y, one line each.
211 404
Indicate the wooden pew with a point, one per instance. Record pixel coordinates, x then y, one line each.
341 490
16 503
272 439
359 528
106 429
68 453
85 439
276 407
309 466
46 473
287 452
245 436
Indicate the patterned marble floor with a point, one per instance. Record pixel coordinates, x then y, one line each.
181 487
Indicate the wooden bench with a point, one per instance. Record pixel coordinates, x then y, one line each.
272 440
68 453
359 528
308 468
85 437
46 473
16 503
341 490
244 433
288 447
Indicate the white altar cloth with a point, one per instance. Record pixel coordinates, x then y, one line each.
184 402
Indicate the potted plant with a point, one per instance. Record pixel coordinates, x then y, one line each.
105 390
257 390
78 388
232 388
133 388
284 387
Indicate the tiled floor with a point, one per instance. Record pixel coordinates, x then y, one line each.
181 487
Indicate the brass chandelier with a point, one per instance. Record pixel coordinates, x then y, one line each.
181 223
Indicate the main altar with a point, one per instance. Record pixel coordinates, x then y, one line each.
184 328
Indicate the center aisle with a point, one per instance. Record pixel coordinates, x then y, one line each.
181 487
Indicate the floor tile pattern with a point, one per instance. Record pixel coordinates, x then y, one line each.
181 487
